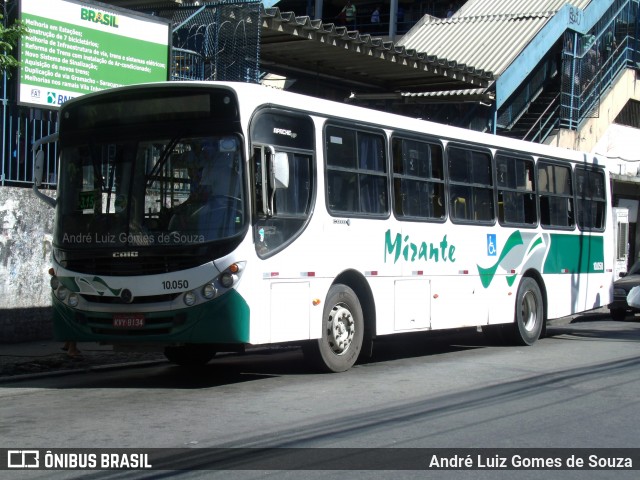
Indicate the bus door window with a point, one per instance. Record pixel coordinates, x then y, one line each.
281 212
555 195
516 190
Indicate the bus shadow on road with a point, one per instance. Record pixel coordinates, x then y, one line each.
425 344
596 330
279 361
254 365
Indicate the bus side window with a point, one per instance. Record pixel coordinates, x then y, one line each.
591 201
418 179
356 180
470 185
516 199
555 195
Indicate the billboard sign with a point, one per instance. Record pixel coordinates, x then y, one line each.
78 47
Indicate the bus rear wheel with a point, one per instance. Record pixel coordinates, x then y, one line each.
342 332
190 355
529 314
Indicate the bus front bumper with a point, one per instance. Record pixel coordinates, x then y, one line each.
222 320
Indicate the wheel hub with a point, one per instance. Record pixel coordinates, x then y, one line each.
529 311
340 329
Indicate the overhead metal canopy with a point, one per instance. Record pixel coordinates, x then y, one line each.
291 45
294 46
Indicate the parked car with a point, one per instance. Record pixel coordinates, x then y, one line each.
619 308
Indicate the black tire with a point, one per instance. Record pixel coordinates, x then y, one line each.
529 314
190 355
618 314
342 332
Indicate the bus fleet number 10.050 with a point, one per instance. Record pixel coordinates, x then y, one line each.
175 284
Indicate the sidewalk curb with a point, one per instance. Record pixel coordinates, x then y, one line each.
89 369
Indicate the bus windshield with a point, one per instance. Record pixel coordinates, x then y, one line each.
151 193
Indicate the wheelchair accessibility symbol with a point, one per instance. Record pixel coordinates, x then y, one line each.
491 244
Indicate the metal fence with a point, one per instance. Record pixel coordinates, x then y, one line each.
223 40
218 41
21 127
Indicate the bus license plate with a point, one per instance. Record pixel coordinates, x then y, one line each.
128 320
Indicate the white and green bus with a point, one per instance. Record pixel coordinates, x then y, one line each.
211 217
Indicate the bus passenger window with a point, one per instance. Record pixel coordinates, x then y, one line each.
342 191
471 185
341 147
459 199
556 196
590 193
373 194
356 175
516 199
418 179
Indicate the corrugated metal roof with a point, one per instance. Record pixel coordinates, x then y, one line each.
301 44
488 34
440 96
515 7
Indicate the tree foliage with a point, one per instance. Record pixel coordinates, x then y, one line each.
9 37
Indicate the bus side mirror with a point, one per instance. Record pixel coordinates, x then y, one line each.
279 171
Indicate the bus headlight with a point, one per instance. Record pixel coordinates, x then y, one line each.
73 300
227 279
189 298
54 282
62 293
209 291
619 292
230 275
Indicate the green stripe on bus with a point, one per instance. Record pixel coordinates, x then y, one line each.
570 253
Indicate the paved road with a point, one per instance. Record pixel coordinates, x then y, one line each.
578 388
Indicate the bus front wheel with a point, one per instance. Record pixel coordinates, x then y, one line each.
342 332
190 355
529 314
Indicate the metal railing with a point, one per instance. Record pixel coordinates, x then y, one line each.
592 62
548 121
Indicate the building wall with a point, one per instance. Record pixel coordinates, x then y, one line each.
25 258
626 88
